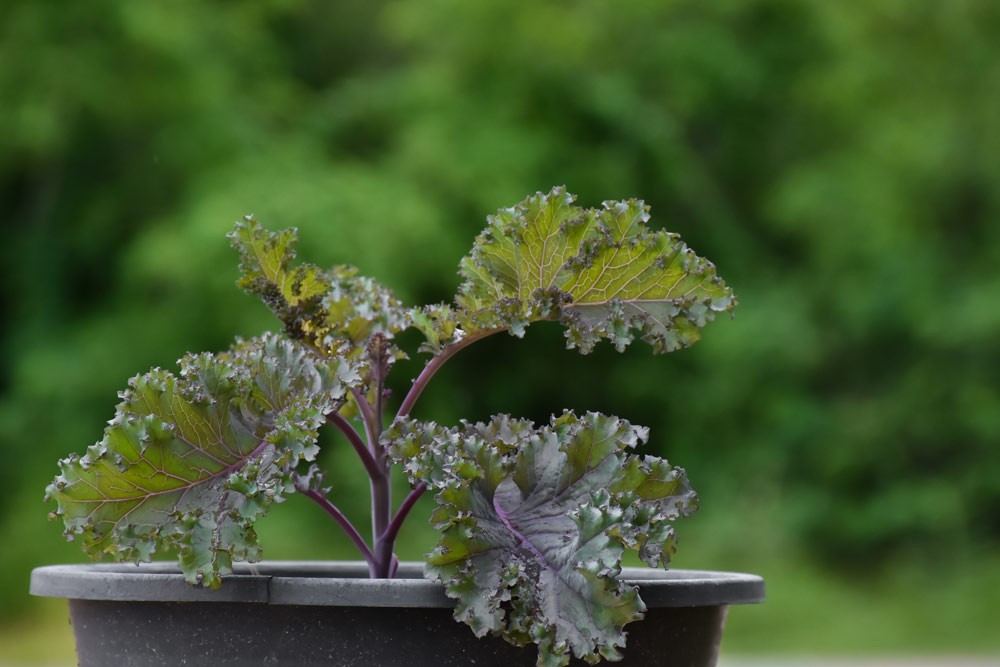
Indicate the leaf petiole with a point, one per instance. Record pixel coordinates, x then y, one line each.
367 416
404 510
434 365
352 435
320 499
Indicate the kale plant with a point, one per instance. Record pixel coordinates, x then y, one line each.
534 519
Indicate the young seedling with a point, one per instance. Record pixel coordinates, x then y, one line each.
534 519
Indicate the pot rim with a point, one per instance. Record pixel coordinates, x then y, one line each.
346 584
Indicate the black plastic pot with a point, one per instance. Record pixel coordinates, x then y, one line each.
331 615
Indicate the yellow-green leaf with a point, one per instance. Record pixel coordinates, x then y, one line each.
602 272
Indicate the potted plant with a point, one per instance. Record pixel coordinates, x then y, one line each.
534 519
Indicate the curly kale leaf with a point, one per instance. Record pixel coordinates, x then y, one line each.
190 461
535 522
331 310
602 273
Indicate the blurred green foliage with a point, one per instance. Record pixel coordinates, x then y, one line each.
838 161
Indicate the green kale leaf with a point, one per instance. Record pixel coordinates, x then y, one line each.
535 521
602 273
333 310
190 461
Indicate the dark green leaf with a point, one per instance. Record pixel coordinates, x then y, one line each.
535 521
190 461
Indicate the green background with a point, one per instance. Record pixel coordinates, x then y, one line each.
839 161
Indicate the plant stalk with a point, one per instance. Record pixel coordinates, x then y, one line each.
371 466
381 510
379 479
434 365
382 562
404 509
317 497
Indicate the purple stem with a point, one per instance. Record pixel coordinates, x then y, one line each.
385 530
382 562
434 365
367 416
345 523
381 491
404 509
393 567
381 509
354 438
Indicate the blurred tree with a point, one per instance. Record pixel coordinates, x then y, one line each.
837 160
